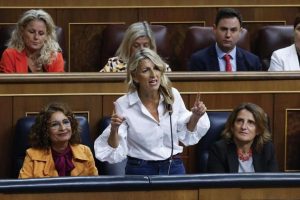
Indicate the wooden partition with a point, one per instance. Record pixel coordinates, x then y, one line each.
93 94
84 21
191 187
190 194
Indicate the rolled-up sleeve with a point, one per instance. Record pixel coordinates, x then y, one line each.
104 152
184 135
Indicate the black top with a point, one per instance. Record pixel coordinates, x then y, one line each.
224 159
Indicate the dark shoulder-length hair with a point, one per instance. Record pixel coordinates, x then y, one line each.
39 134
261 121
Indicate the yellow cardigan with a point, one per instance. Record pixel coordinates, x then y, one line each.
39 163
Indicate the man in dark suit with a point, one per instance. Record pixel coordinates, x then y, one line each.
224 55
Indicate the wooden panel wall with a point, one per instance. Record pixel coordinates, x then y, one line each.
6 137
281 193
93 94
138 3
84 21
249 193
124 195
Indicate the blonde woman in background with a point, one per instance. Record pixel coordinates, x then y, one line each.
33 46
137 36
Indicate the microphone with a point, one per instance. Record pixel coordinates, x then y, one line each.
170 110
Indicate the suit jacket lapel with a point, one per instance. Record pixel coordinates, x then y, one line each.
213 57
240 61
257 162
233 162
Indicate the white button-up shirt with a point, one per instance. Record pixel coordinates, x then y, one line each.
141 136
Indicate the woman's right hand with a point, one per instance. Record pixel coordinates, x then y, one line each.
116 121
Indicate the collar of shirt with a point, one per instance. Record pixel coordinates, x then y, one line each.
221 54
134 98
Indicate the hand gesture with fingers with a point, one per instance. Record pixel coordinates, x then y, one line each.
116 120
199 107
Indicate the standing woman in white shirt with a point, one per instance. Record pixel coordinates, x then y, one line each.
150 120
288 58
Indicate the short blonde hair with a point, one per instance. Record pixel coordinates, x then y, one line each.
133 32
134 62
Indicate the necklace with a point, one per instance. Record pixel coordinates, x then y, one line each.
244 156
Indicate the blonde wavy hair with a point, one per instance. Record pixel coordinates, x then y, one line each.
133 32
261 121
165 84
50 48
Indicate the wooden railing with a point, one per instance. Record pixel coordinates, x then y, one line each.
193 187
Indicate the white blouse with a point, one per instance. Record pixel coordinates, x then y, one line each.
141 136
246 166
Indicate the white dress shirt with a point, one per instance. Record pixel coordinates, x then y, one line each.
141 136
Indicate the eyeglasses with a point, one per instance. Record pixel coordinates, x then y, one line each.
56 124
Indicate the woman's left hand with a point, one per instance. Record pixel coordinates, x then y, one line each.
199 107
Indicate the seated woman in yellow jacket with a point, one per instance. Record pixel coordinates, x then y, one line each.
56 148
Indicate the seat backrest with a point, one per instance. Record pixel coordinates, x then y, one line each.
199 37
106 168
60 38
5 32
217 123
113 34
7 29
269 39
21 144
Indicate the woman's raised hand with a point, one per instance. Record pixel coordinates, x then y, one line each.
199 107
116 120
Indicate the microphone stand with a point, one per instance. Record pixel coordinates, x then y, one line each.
172 145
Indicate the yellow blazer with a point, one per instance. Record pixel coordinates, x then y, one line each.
39 163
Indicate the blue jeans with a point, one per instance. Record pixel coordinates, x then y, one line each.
137 166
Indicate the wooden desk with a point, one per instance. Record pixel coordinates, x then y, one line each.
192 187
